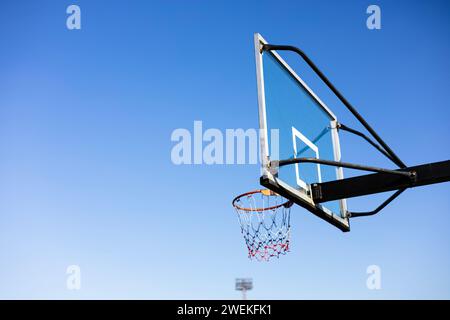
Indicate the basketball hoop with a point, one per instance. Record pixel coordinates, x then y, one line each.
264 217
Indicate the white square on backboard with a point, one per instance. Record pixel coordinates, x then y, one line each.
297 134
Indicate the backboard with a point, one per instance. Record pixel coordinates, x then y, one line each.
295 123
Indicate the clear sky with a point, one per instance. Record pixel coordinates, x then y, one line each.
86 176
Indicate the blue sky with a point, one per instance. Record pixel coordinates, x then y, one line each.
86 176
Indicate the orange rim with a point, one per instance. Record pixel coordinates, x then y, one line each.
262 191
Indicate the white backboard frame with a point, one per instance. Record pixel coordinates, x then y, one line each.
301 195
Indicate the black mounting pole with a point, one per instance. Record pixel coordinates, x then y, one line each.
425 174
395 158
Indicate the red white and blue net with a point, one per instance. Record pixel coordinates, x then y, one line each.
264 217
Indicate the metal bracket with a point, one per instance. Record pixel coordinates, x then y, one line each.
274 167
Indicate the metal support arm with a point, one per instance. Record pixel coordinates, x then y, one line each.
280 163
378 209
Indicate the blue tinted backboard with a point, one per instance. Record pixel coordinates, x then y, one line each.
295 123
